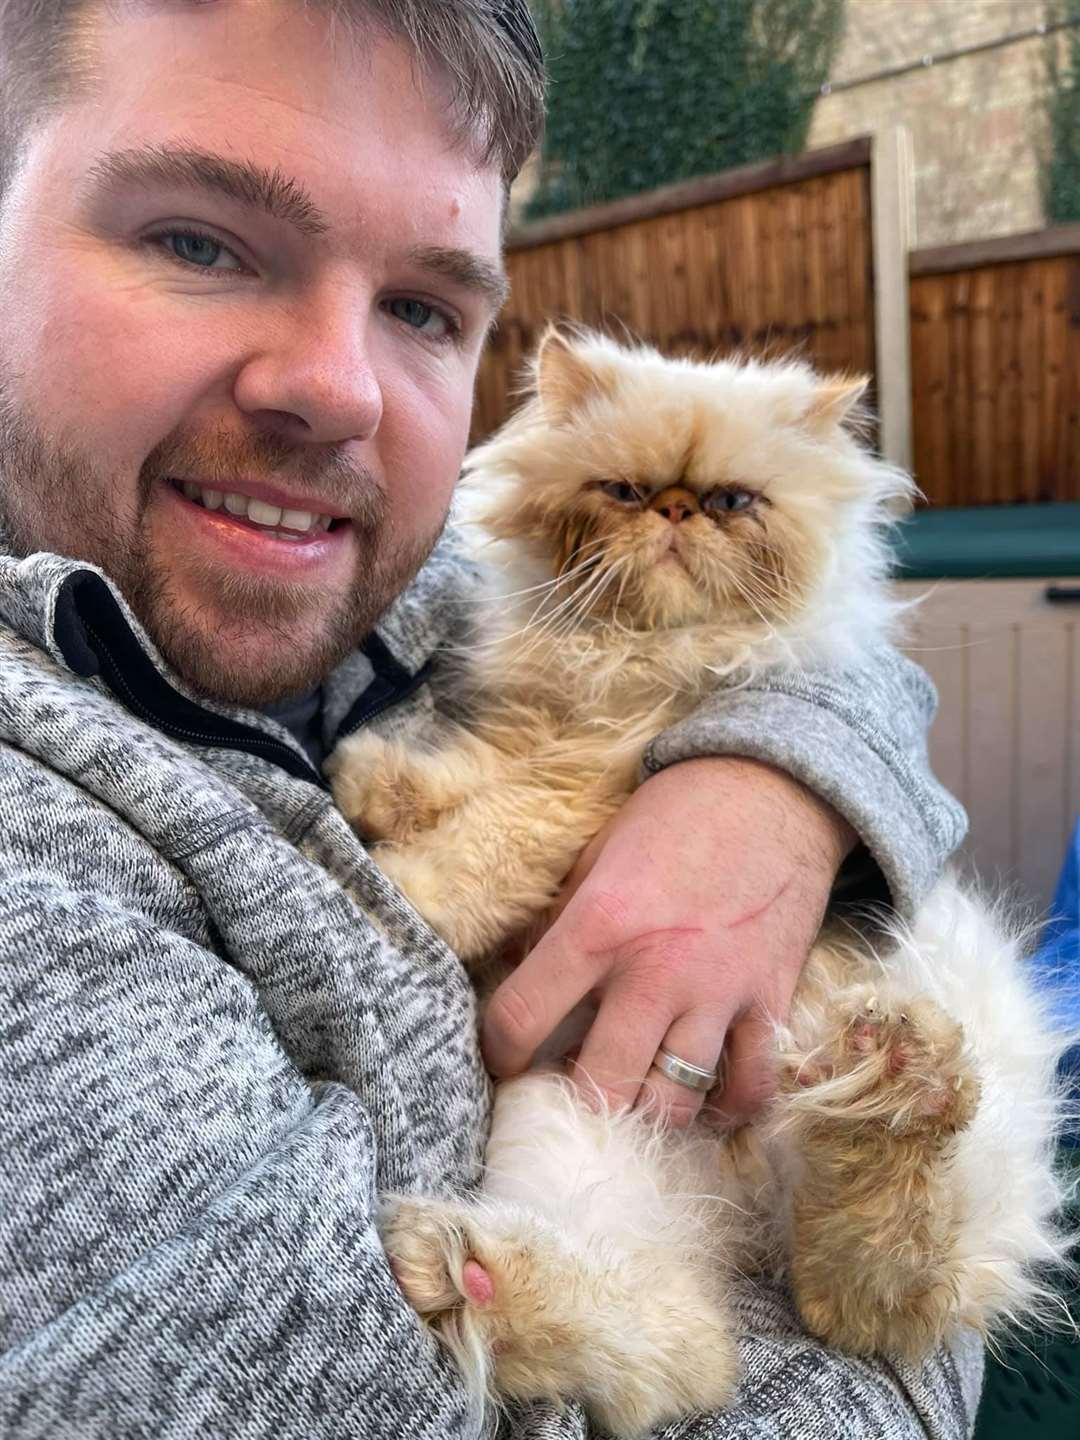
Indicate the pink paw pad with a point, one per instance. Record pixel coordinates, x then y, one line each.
898 1060
865 1038
477 1283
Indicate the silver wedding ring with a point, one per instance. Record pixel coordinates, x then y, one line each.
683 1073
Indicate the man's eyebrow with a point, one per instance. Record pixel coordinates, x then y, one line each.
462 267
255 186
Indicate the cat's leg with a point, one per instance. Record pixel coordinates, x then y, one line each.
476 839
872 1111
528 1315
575 1275
393 790
493 863
945 1189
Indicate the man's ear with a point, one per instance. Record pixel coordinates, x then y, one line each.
567 376
834 401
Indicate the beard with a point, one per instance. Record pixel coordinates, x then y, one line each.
290 635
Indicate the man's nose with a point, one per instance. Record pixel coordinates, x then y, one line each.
315 378
676 504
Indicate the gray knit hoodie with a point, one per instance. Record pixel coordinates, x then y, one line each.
223 1034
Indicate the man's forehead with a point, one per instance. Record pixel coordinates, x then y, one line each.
269 190
341 134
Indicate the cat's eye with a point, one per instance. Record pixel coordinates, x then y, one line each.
728 501
622 491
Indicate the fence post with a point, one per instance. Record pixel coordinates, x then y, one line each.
892 209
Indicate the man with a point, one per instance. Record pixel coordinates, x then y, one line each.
250 252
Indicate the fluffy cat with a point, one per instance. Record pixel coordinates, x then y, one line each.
653 530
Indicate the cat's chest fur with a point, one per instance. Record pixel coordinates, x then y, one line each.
588 704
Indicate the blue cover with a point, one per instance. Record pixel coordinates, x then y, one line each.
1058 957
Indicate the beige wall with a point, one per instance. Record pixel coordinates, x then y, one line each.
976 122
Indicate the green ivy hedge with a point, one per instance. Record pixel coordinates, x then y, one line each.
1061 168
648 91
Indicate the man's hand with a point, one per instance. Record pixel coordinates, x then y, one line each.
688 920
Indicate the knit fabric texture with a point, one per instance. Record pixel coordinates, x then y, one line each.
224 1034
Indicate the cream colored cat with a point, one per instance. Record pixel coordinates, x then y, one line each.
654 530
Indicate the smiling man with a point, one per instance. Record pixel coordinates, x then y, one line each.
246 406
249 254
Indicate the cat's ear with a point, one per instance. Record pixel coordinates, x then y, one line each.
835 401
566 376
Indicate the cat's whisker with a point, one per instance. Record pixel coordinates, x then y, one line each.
752 595
565 577
584 595
746 595
541 618
595 543
588 598
569 605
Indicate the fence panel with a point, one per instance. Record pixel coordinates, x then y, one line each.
995 361
775 256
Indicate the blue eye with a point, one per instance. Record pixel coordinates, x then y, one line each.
622 491
728 501
419 316
201 252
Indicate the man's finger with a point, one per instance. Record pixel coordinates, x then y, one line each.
525 1009
749 1079
619 1048
696 1038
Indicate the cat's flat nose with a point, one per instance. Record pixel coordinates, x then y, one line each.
676 504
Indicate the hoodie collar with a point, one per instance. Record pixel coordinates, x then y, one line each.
77 615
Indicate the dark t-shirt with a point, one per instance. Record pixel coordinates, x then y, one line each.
302 716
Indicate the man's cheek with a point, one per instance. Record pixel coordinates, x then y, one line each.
422 447
116 379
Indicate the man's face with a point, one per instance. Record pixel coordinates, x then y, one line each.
182 338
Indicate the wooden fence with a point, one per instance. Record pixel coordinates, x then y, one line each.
783 256
995 349
774 255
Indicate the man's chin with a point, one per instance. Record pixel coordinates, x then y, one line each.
253 654
244 640
252 664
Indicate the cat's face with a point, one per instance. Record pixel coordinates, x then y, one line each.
670 493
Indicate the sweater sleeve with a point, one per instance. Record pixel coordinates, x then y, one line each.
857 738
188 1241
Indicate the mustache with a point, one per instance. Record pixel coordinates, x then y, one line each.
215 457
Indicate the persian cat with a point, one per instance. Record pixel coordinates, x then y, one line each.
652 531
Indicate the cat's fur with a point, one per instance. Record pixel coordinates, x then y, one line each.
904 1174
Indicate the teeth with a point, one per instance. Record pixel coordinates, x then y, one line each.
293 523
292 519
261 513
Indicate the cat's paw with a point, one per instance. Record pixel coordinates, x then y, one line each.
911 1322
444 1259
906 1065
385 789
361 776
424 1241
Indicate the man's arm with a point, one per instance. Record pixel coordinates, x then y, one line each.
794 1387
186 1222
857 739
693 914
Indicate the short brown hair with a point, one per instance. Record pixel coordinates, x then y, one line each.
488 49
